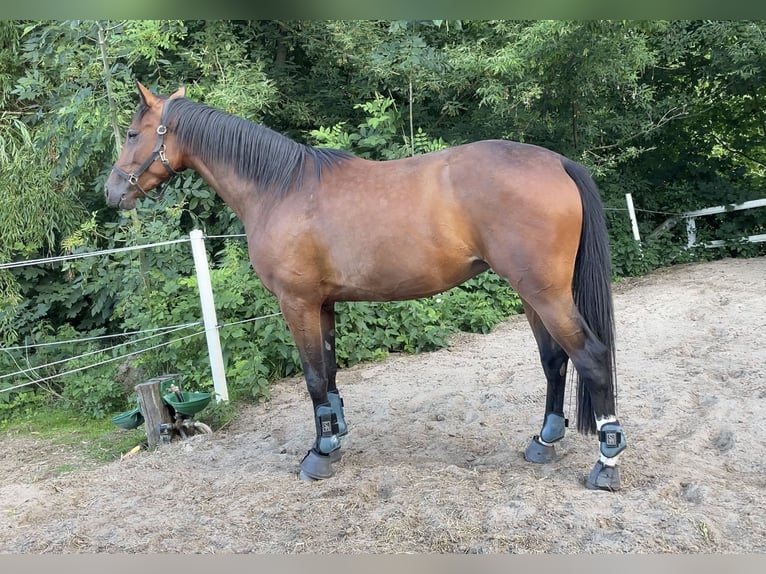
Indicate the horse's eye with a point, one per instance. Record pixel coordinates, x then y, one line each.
132 134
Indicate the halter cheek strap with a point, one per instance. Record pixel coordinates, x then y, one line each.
158 153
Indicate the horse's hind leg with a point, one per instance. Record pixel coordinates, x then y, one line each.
596 402
596 398
554 361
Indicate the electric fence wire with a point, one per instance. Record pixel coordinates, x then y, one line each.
62 258
104 362
225 236
165 331
89 354
99 337
670 213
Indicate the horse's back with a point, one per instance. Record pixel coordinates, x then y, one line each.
412 227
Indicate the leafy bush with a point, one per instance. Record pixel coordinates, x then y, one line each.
67 371
22 403
259 351
96 393
378 136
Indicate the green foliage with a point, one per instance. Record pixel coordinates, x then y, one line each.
369 331
260 351
217 415
670 111
375 137
36 211
480 303
378 136
89 390
93 392
20 405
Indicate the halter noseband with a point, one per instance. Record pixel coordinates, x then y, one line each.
157 153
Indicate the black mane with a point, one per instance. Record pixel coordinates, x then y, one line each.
273 161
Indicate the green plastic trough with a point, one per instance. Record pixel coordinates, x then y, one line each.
191 404
184 402
129 419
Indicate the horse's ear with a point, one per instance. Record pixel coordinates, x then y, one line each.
179 93
147 97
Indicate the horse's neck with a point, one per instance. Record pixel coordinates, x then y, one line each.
238 193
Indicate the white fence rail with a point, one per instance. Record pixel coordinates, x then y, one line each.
691 224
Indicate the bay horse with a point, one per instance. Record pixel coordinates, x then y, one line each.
325 226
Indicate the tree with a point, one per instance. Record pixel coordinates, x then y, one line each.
670 111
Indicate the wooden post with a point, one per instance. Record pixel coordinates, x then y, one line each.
154 409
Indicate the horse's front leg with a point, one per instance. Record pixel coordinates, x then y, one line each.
331 368
304 321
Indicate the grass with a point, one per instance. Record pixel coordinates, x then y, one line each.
94 440
97 440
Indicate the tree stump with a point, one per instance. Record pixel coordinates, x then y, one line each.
156 412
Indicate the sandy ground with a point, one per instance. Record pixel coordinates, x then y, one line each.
433 462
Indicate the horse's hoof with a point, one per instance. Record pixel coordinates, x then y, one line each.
604 477
335 455
315 466
538 452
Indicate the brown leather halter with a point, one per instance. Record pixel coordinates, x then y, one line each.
158 153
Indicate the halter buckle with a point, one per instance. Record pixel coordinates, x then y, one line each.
158 152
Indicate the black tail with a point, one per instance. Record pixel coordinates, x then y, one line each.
592 283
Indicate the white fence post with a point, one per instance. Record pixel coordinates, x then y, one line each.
633 220
691 232
208 314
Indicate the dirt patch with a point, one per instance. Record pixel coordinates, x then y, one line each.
433 461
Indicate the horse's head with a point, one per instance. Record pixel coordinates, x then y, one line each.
149 157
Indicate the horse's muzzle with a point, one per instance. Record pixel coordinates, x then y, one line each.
116 194
112 198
